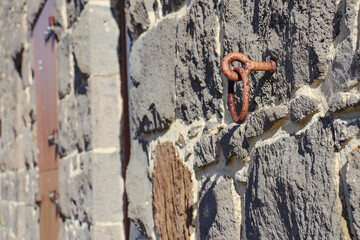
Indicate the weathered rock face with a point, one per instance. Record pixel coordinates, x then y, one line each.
219 210
276 176
153 82
283 189
352 192
302 106
198 83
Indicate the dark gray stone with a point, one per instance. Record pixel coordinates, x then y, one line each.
233 142
302 106
353 192
206 151
219 210
345 129
297 35
169 6
66 72
344 100
152 63
291 192
137 16
263 119
198 84
74 9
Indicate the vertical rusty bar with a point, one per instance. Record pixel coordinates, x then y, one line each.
45 72
125 141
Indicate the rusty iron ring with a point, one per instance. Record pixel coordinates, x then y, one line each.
243 73
249 65
231 97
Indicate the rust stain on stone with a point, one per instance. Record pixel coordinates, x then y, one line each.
171 194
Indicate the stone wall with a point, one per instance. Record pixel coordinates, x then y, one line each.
90 110
91 186
291 170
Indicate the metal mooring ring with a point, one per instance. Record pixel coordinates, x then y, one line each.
246 96
233 75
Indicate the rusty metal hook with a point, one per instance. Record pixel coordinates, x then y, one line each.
233 75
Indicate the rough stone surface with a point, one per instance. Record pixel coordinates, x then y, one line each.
345 129
74 124
138 189
344 100
65 60
233 142
302 106
154 110
169 6
137 16
219 210
206 151
73 10
76 189
172 190
263 119
353 190
198 84
283 191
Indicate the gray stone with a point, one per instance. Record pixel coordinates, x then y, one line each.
154 110
297 35
206 151
343 100
70 133
263 119
76 190
95 40
233 142
353 190
74 9
302 106
194 131
291 191
169 6
65 66
199 86
106 108
342 73
108 232
242 175
345 129
73 229
219 210
108 187
139 189
137 16
33 10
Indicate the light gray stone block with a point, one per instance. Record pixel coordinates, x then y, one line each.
139 189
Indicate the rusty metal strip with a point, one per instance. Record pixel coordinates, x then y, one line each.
45 72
